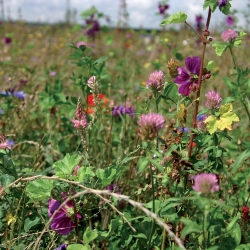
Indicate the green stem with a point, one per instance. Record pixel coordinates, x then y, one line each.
153 221
205 227
247 111
233 57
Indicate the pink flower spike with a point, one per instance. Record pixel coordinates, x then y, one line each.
206 183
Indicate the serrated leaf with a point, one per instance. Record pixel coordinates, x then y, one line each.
106 175
85 173
224 121
219 48
210 3
66 166
175 18
40 189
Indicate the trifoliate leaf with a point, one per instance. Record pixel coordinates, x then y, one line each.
223 121
176 18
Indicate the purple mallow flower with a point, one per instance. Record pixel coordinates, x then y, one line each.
213 100
198 22
122 110
149 125
230 20
155 81
162 8
206 183
222 3
229 35
63 221
188 78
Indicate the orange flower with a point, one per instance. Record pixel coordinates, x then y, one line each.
91 103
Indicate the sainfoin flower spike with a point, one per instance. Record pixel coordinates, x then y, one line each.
155 81
213 100
206 183
149 125
229 35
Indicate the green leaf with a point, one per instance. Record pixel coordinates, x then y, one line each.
100 60
39 190
157 165
175 18
78 247
85 173
5 180
190 227
243 247
242 157
89 235
210 3
28 224
236 234
219 48
106 175
142 164
140 236
210 65
65 167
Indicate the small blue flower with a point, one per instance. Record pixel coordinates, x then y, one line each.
200 118
184 130
1 111
62 247
6 93
10 142
19 94
122 110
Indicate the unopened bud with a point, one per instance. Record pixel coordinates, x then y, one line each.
172 68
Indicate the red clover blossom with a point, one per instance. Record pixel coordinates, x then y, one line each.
155 81
206 183
229 35
213 100
149 125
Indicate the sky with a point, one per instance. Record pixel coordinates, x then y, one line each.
142 13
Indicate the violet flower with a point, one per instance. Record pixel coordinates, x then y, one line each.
206 183
162 8
123 110
114 188
200 121
63 221
222 3
62 247
7 40
188 78
184 129
198 23
19 94
230 20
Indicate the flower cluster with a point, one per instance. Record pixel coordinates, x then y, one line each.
163 7
149 125
122 110
81 122
222 3
206 183
229 35
213 100
155 81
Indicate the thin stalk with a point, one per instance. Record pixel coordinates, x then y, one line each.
233 57
163 236
199 82
205 227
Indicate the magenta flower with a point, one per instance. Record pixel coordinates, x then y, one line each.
63 221
81 122
5 145
229 35
188 78
230 20
222 3
206 183
213 100
52 73
162 8
149 125
82 44
155 81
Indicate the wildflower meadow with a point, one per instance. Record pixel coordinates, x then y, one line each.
114 138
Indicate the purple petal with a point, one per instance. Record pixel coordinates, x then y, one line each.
183 76
184 89
53 206
193 64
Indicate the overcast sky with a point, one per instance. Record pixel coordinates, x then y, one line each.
142 13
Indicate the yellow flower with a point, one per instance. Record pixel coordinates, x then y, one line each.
10 218
143 83
146 65
166 40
